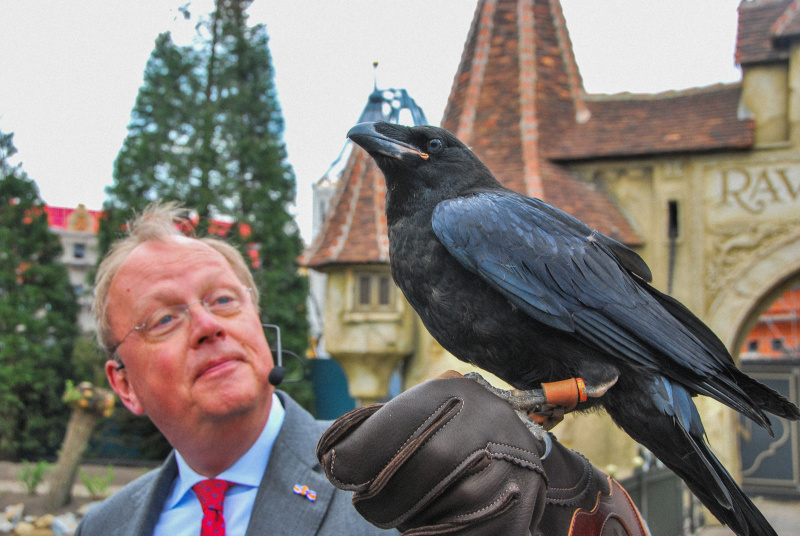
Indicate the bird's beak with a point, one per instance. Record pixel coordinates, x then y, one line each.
365 135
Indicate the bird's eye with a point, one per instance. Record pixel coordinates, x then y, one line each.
435 145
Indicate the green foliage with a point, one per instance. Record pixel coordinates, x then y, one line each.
206 130
97 485
38 314
30 476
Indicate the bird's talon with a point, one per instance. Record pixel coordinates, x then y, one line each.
533 427
526 401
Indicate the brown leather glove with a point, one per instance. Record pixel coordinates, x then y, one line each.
584 501
445 457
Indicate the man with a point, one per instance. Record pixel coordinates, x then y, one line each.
179 318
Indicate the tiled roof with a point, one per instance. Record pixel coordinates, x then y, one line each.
788 24
355 230
760 22
73 219
699 119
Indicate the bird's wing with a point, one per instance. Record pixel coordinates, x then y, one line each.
564 274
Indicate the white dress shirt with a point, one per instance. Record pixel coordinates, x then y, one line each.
182 513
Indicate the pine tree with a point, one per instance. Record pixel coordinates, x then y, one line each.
38 319
206 130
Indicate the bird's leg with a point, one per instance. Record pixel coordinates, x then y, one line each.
546 407
519 400
534 427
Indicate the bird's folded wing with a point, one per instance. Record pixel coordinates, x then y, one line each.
563 274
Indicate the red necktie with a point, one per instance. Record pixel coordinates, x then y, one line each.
211 494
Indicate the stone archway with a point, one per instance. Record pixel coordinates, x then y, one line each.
733 312
769 462
755 285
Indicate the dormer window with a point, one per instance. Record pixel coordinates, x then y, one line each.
373 292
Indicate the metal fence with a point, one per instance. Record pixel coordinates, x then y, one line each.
663 500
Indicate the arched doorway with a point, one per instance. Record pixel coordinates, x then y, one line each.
753 284
770 353
776 333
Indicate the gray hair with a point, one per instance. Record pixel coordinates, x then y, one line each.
156 223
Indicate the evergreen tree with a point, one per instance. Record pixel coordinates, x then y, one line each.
38 319
206 130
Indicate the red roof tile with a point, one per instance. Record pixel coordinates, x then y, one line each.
695 120
755 40
788 24
73 219
355 230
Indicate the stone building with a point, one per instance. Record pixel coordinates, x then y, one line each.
704 183
77 230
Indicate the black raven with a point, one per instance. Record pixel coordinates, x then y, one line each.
525 291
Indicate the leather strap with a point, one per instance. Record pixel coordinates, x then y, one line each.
566 393
562 397
584 501
610 511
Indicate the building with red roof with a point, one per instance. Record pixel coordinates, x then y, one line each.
77 229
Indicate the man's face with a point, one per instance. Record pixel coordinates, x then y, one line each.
211 368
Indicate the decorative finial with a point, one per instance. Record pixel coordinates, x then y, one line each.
375 74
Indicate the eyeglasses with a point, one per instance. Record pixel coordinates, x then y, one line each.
166 321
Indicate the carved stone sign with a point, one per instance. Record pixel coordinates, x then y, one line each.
749 210
759 193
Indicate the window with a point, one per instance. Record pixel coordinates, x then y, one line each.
673 229
78 250
752 346
374 292
777 344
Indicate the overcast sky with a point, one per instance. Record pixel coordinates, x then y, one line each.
70 70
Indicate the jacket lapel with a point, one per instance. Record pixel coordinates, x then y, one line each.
278 510
147 503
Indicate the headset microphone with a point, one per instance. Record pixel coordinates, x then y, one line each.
276 375
278 372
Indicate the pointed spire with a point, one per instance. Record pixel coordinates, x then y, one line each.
354 230
518 86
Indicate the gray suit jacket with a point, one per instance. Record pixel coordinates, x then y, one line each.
134 510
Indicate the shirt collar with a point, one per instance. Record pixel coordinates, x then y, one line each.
247 471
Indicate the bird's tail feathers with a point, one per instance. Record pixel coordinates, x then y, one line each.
669 426
725 499
766 398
